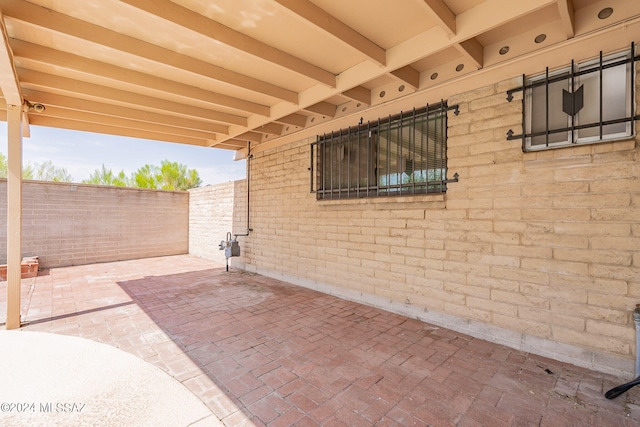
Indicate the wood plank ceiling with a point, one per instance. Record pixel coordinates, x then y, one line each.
225 73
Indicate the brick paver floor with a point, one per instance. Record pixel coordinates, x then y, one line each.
262 352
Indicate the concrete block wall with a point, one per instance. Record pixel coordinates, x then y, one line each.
72 224
215 211
539 251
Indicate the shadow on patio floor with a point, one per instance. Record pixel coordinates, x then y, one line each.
261 352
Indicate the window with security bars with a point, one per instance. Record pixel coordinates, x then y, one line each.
401 155
584 103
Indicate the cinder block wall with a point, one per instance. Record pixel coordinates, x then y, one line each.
72 224
215 211
538 251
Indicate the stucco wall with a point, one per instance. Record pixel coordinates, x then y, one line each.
539 251
72 224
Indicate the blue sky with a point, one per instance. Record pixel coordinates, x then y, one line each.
81 153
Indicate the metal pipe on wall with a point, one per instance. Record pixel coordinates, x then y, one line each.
249 157
636 320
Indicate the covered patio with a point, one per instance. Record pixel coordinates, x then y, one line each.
258 351
400 155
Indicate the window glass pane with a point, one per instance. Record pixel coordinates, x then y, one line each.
614 90
436 155
328 164
325 159
557 119
574 109
362 160
402 155
419 166
389 149
412 154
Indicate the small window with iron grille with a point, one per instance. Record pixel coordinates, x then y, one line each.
584 103
401 155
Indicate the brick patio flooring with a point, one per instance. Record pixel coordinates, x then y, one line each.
262 352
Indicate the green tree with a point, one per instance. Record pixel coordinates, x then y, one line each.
40 171
28 171
175 176
106 176
47 171
4 166
145 177
167 176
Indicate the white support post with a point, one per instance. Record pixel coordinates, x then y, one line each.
14 215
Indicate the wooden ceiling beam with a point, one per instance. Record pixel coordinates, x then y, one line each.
409 75
43 120
251 137
299 120
111 110
323 108
186 18
82 30
26 51
88 117
441 13
335 27
567 16
359 94
473 50
234 144
40 80
270 129
492 14
9 83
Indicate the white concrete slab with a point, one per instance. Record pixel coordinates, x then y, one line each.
50 379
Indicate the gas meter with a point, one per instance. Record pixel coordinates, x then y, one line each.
230 247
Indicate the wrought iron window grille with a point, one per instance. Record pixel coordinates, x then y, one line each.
573 101
399 155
